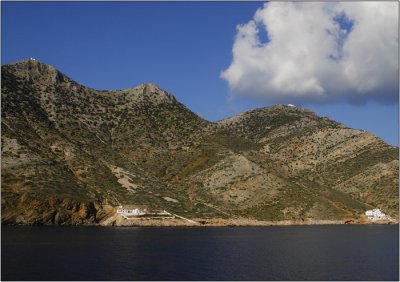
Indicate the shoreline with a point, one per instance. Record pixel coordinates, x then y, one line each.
201 223
155 225
247 223
117 220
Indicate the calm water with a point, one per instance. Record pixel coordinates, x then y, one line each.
229 253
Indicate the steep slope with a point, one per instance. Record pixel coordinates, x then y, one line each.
352 168
61 139
70 154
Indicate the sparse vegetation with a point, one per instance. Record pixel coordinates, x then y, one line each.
61 141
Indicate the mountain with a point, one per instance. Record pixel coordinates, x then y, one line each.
71 154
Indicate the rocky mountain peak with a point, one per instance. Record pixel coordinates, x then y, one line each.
31 65
154 91
35 71
151 88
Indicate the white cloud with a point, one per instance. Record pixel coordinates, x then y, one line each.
313 56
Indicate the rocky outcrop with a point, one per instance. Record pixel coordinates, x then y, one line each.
30 210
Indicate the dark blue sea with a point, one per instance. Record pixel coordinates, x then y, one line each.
345 252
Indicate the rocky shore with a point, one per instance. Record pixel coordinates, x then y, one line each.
72 212
117 220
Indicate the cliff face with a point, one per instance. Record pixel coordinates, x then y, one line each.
70 153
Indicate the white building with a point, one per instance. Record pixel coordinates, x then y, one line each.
134 211
376 214
291 105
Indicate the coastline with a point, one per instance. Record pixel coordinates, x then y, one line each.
116 220
216 223
219 222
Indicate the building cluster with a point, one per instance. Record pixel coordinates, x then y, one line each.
126 211
376 214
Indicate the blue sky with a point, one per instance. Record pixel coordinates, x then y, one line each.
181 46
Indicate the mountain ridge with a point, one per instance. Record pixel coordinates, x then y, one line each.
156 89
74 153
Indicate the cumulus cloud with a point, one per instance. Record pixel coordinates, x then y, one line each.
317 52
